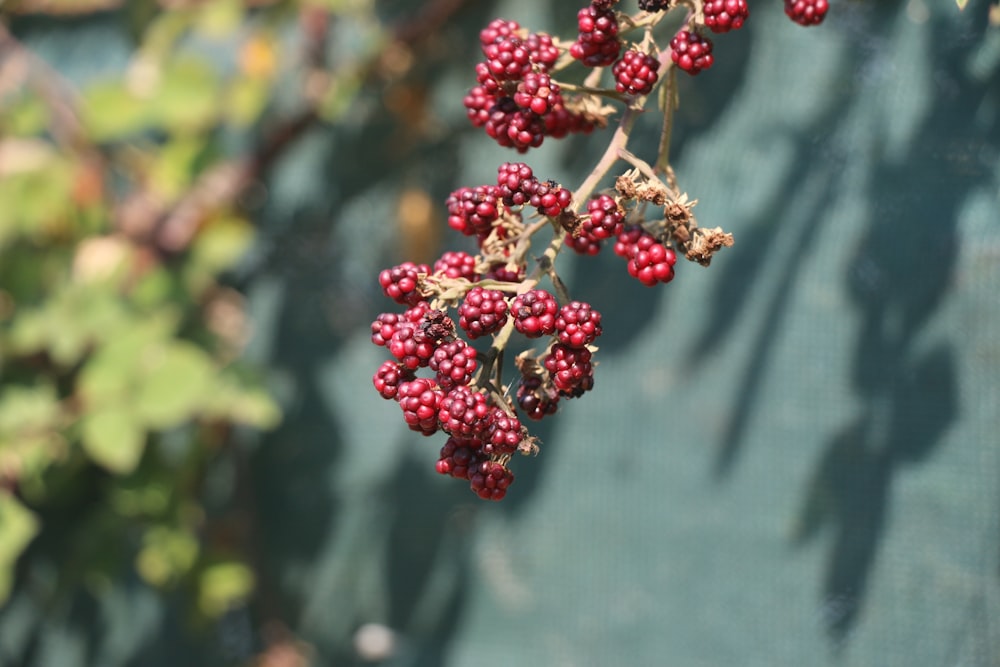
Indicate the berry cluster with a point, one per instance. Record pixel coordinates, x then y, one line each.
492 296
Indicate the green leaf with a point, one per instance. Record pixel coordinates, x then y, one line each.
24 409
223 586
18 526
113 438
221 244
247 98
188 96
177 379
251 406
111 112
167 554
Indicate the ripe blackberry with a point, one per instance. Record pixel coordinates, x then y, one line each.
655 5
483 311
478 103
597 43
725 15
570 368
420 400
636 73
459 455
537 93
508 58
535 313
578 324
503 433
603 4
515 183
691 51
389 376
457 264
649 261
536 398
489 480
454 363
550 198
472 211
807 12
401 282
464 412
607 219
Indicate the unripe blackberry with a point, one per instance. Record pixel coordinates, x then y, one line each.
636 73
524 129
597 43
537 93
490 480
535 313
388 378
649 261
454 363
535 398
472 211
560 122
401 282
691 51
515 183
505 273
459 455
503 433
578 324
507 58
607 219
655 5
478 103
457 264
384 326
410 347
725 15
497 29
544 53
419 400
583 244
483 312
807 12
570 368
464 412
550 198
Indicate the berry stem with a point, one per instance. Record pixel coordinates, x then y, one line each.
618 141
668 102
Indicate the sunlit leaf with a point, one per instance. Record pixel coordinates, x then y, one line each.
223 586
188 94
24 409
167 554
176 380
221 244
110 111
18 526
247 98
114 438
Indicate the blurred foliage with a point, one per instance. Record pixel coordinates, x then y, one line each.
122 208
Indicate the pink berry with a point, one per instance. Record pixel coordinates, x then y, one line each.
597 44
419 400
401 283
456 264
388 378
725 15
578 325
807 12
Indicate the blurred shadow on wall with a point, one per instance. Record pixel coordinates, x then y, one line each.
899 275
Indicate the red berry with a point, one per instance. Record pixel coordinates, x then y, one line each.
597 43
725 15
636 73
583 244
578 324
401 283
489 480
497 29
388 378
607 219
459 455
419 400
655 5
507 58
515 183
537 93
550 198
571 370
472 211
544 53
535 313
454 363
483 311
691 51
464 412
457 264
503 434
807 12
478 103
648 260
410 347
